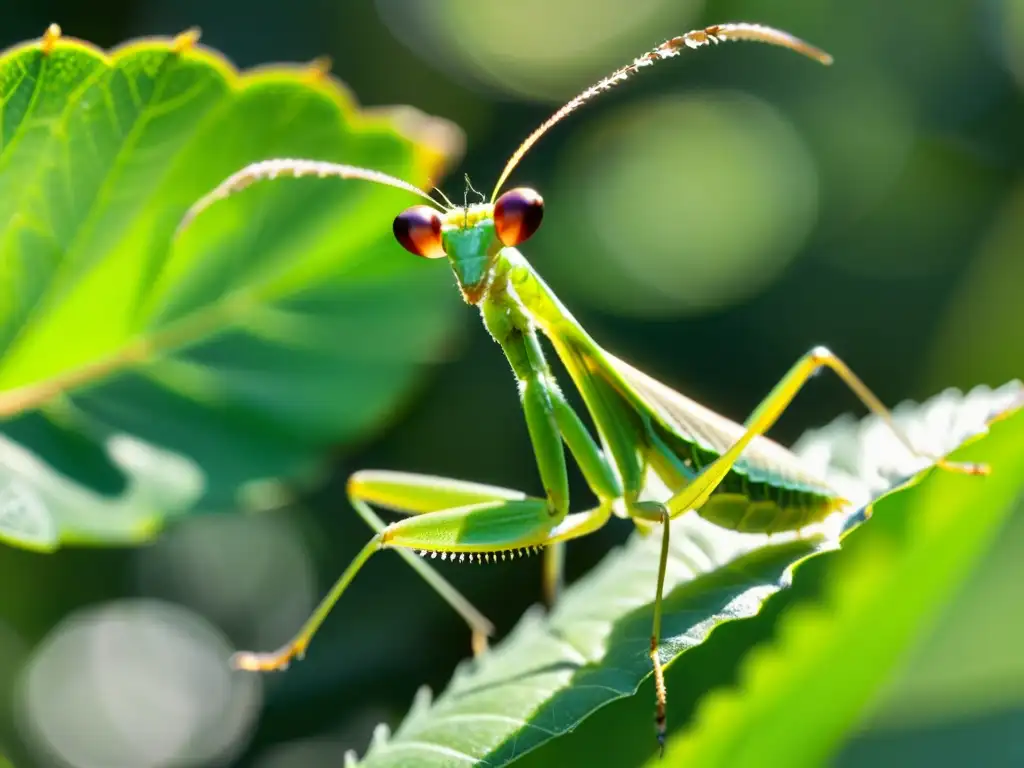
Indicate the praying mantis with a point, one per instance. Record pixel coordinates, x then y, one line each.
731 475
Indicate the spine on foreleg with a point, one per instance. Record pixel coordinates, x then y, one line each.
484 557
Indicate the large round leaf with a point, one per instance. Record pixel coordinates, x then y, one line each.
283 321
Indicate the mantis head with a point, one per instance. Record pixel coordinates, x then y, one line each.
470 236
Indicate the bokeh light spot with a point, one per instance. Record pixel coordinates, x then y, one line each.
979 339
135 684
681 205
924 222
534 48
251 574
1011 29
861 129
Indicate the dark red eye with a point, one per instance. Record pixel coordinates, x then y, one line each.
418 229
517 215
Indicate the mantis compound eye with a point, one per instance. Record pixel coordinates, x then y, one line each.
418 229
517 215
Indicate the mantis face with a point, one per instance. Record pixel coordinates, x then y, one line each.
471 237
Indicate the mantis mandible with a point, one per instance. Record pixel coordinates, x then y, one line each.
731 475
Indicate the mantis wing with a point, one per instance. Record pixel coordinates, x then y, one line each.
642 420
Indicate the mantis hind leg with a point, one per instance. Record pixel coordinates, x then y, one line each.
767 413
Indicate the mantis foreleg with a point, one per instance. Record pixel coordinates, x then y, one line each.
406 494
480 522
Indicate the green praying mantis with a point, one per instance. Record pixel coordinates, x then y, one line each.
730 475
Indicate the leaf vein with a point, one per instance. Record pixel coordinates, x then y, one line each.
429 746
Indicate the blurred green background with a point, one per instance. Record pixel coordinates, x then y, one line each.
710 222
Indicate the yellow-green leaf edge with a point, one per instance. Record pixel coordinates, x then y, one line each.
847 588
435 141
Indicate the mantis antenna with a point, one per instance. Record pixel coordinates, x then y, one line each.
266 170
443 196
270 169
719 33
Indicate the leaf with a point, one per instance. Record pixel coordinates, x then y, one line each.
158 484
800 695
284 321
553 672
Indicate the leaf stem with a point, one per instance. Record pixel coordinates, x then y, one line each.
190 328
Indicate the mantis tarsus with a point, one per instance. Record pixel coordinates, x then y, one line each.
729 474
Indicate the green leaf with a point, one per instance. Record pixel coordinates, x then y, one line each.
553 672
284 321
801 695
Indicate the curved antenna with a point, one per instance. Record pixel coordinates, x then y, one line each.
443 196
698 38
266 170
474 190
